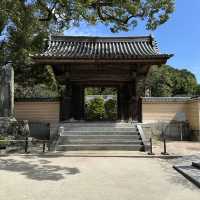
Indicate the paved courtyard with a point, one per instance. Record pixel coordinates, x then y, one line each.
92 178
182 148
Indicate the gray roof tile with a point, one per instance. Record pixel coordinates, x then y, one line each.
70 47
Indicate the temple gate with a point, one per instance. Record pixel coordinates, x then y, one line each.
120 62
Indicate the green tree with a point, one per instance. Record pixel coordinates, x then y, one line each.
184 82
168 81
24 35
159 81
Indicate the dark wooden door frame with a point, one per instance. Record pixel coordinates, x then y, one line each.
73 102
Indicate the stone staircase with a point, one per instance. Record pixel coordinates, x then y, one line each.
99 136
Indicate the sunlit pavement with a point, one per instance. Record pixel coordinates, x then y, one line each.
96 178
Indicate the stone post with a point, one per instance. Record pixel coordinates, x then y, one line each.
6 96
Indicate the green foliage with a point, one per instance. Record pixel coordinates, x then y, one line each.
37 91
168 81
111 109
100 91
120 15
198 90
24 35
95 109
3 141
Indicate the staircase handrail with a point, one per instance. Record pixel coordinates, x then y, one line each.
144 139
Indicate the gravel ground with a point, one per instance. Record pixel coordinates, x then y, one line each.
95 178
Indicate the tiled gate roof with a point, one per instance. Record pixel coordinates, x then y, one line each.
102 48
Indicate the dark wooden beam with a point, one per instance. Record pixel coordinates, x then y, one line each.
151 61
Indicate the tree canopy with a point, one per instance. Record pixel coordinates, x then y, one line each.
121 15
168 81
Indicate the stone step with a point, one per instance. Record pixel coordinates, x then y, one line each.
195 164
130 129
98 141
98 124
76 136
99 136
65 133
190 172
77 147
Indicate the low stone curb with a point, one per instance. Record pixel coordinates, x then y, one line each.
195 164
81 154
190 172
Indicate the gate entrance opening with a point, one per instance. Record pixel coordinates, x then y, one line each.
101 103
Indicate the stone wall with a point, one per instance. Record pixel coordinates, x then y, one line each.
193 115
158 109
38 110
173 116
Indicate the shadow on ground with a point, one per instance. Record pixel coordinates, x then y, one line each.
41 171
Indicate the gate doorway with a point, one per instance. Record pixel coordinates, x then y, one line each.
76 104
100 104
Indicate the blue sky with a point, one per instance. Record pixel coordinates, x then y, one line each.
179 36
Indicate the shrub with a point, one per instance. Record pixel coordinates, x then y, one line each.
111 109
95 109
3 142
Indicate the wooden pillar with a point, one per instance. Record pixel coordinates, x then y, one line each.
134 99
78 101
123 98
130 101
123 103
140 110
66 102
126 98
119 104
137 84
140 91
135 113
82 103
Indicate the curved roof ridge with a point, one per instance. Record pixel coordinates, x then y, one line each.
113 38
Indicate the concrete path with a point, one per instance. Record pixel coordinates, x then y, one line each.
91 178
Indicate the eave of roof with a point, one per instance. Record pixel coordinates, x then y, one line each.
158 60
